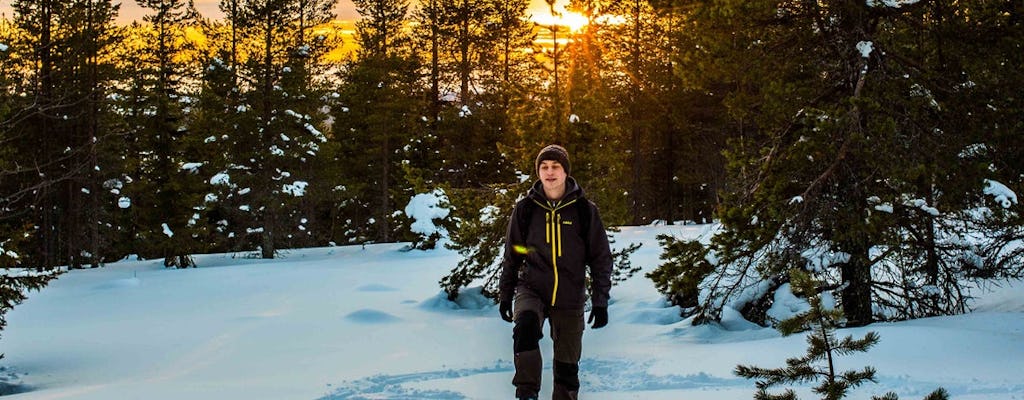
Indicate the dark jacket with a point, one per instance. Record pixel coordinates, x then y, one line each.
549 255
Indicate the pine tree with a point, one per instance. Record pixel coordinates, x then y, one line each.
594 137
309 83
166 192
467 99
819 364
375 122
848 141
277 125
636 50
9 226
216 119
61 46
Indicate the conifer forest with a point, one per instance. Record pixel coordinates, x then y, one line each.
875 143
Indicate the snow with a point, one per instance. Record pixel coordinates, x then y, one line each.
297 188
890 3
489 214
221 178
124 202
9 253
316 133
1002 194
865 48
191 167
370 322
167 230
424 208
786 304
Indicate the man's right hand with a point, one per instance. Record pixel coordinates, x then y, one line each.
505 308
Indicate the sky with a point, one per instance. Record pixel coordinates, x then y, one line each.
130 10
354 322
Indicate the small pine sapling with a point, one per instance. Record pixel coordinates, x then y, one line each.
818 364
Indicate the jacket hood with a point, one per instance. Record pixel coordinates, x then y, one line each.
572 190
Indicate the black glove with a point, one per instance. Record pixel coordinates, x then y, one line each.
599 316
505 308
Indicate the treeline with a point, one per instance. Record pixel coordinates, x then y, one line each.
180 135
878 141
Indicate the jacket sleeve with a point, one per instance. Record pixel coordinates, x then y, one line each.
511 260
599 260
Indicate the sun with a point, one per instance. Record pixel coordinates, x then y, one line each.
574 21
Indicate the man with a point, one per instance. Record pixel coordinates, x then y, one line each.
553 235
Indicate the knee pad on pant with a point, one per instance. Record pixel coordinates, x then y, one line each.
526 334
567 375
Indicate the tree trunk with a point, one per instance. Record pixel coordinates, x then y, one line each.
270 203
435 74
385 187
45 90
856 274
465 64
634 112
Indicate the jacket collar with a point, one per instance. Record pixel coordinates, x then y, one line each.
573 191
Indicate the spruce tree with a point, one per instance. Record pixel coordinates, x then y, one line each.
856 132
376 121
59 126
215 118
9 226
818 365
277 125
166 189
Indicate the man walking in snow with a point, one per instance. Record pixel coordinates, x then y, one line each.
553 236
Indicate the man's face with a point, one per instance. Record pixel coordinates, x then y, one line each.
552 175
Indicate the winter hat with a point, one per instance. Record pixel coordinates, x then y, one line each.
556 153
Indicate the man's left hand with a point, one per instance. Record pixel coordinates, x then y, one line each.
599 316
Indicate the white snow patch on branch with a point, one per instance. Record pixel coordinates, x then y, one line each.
865 48
192 167
297 188
1002 194
890 3
221 178
424 208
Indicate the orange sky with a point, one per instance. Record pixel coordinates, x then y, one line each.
345 10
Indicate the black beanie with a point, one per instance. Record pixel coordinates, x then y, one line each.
553 152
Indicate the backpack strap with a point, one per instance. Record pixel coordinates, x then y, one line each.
584 211
523 214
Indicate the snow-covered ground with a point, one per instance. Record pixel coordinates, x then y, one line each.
371 323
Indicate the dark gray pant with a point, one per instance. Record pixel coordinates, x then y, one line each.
566 329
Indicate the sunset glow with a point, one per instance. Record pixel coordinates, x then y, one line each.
345 11
568 19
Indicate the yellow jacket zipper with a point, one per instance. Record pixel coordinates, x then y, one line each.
553 235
